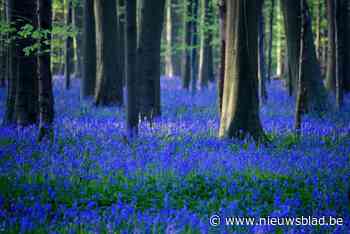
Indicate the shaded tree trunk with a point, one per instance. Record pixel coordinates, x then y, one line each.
3 50
68 47
176 38
26 103
272 18
223 15
130 62
240 108
109 87
46 101
121 38
194 41
186 65
316 94
89 50
152 19
261 42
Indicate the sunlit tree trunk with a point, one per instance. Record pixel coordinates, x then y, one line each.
261 42
204 60
240 108
77 22
223 15
186 65
194 41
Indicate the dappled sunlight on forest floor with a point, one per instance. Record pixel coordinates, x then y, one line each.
177 173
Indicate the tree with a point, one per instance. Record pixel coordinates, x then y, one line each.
240 107
262 67
152 19
89 50
221 79
186 65
68 47
46 101
204 59
109 89
338 47
24 66
77 22
194 40
121 38
272 16
315 91
130 61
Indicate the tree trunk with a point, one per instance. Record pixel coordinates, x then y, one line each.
131 81
194 41
169 70
272 16
240 108
186 66
204 60
316 94
46 102
176 38
301 96
121 38
223 15
12 72
68 48
261 40
78 24
109 89
89 50
3 50
26 106
152 19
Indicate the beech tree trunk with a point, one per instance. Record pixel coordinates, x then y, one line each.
68 47
46 101
240 107
77 22
262 67
152 19
194 41
26 103
89 50
186 65
316 93
223 15
130 62
109 87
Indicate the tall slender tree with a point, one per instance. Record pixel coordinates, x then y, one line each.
194 41
262 64
89 50
77 22
240 107
46 101
186 65
130 62
221 79
68 46
272 18
109 89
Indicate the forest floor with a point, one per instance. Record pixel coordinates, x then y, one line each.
176 174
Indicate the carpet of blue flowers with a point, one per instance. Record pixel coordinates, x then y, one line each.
176 174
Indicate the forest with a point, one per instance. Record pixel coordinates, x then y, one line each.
175 116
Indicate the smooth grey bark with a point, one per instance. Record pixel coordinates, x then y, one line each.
262 64
89 50
46 101
272 16
152 19
121 39
240 107
130 62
